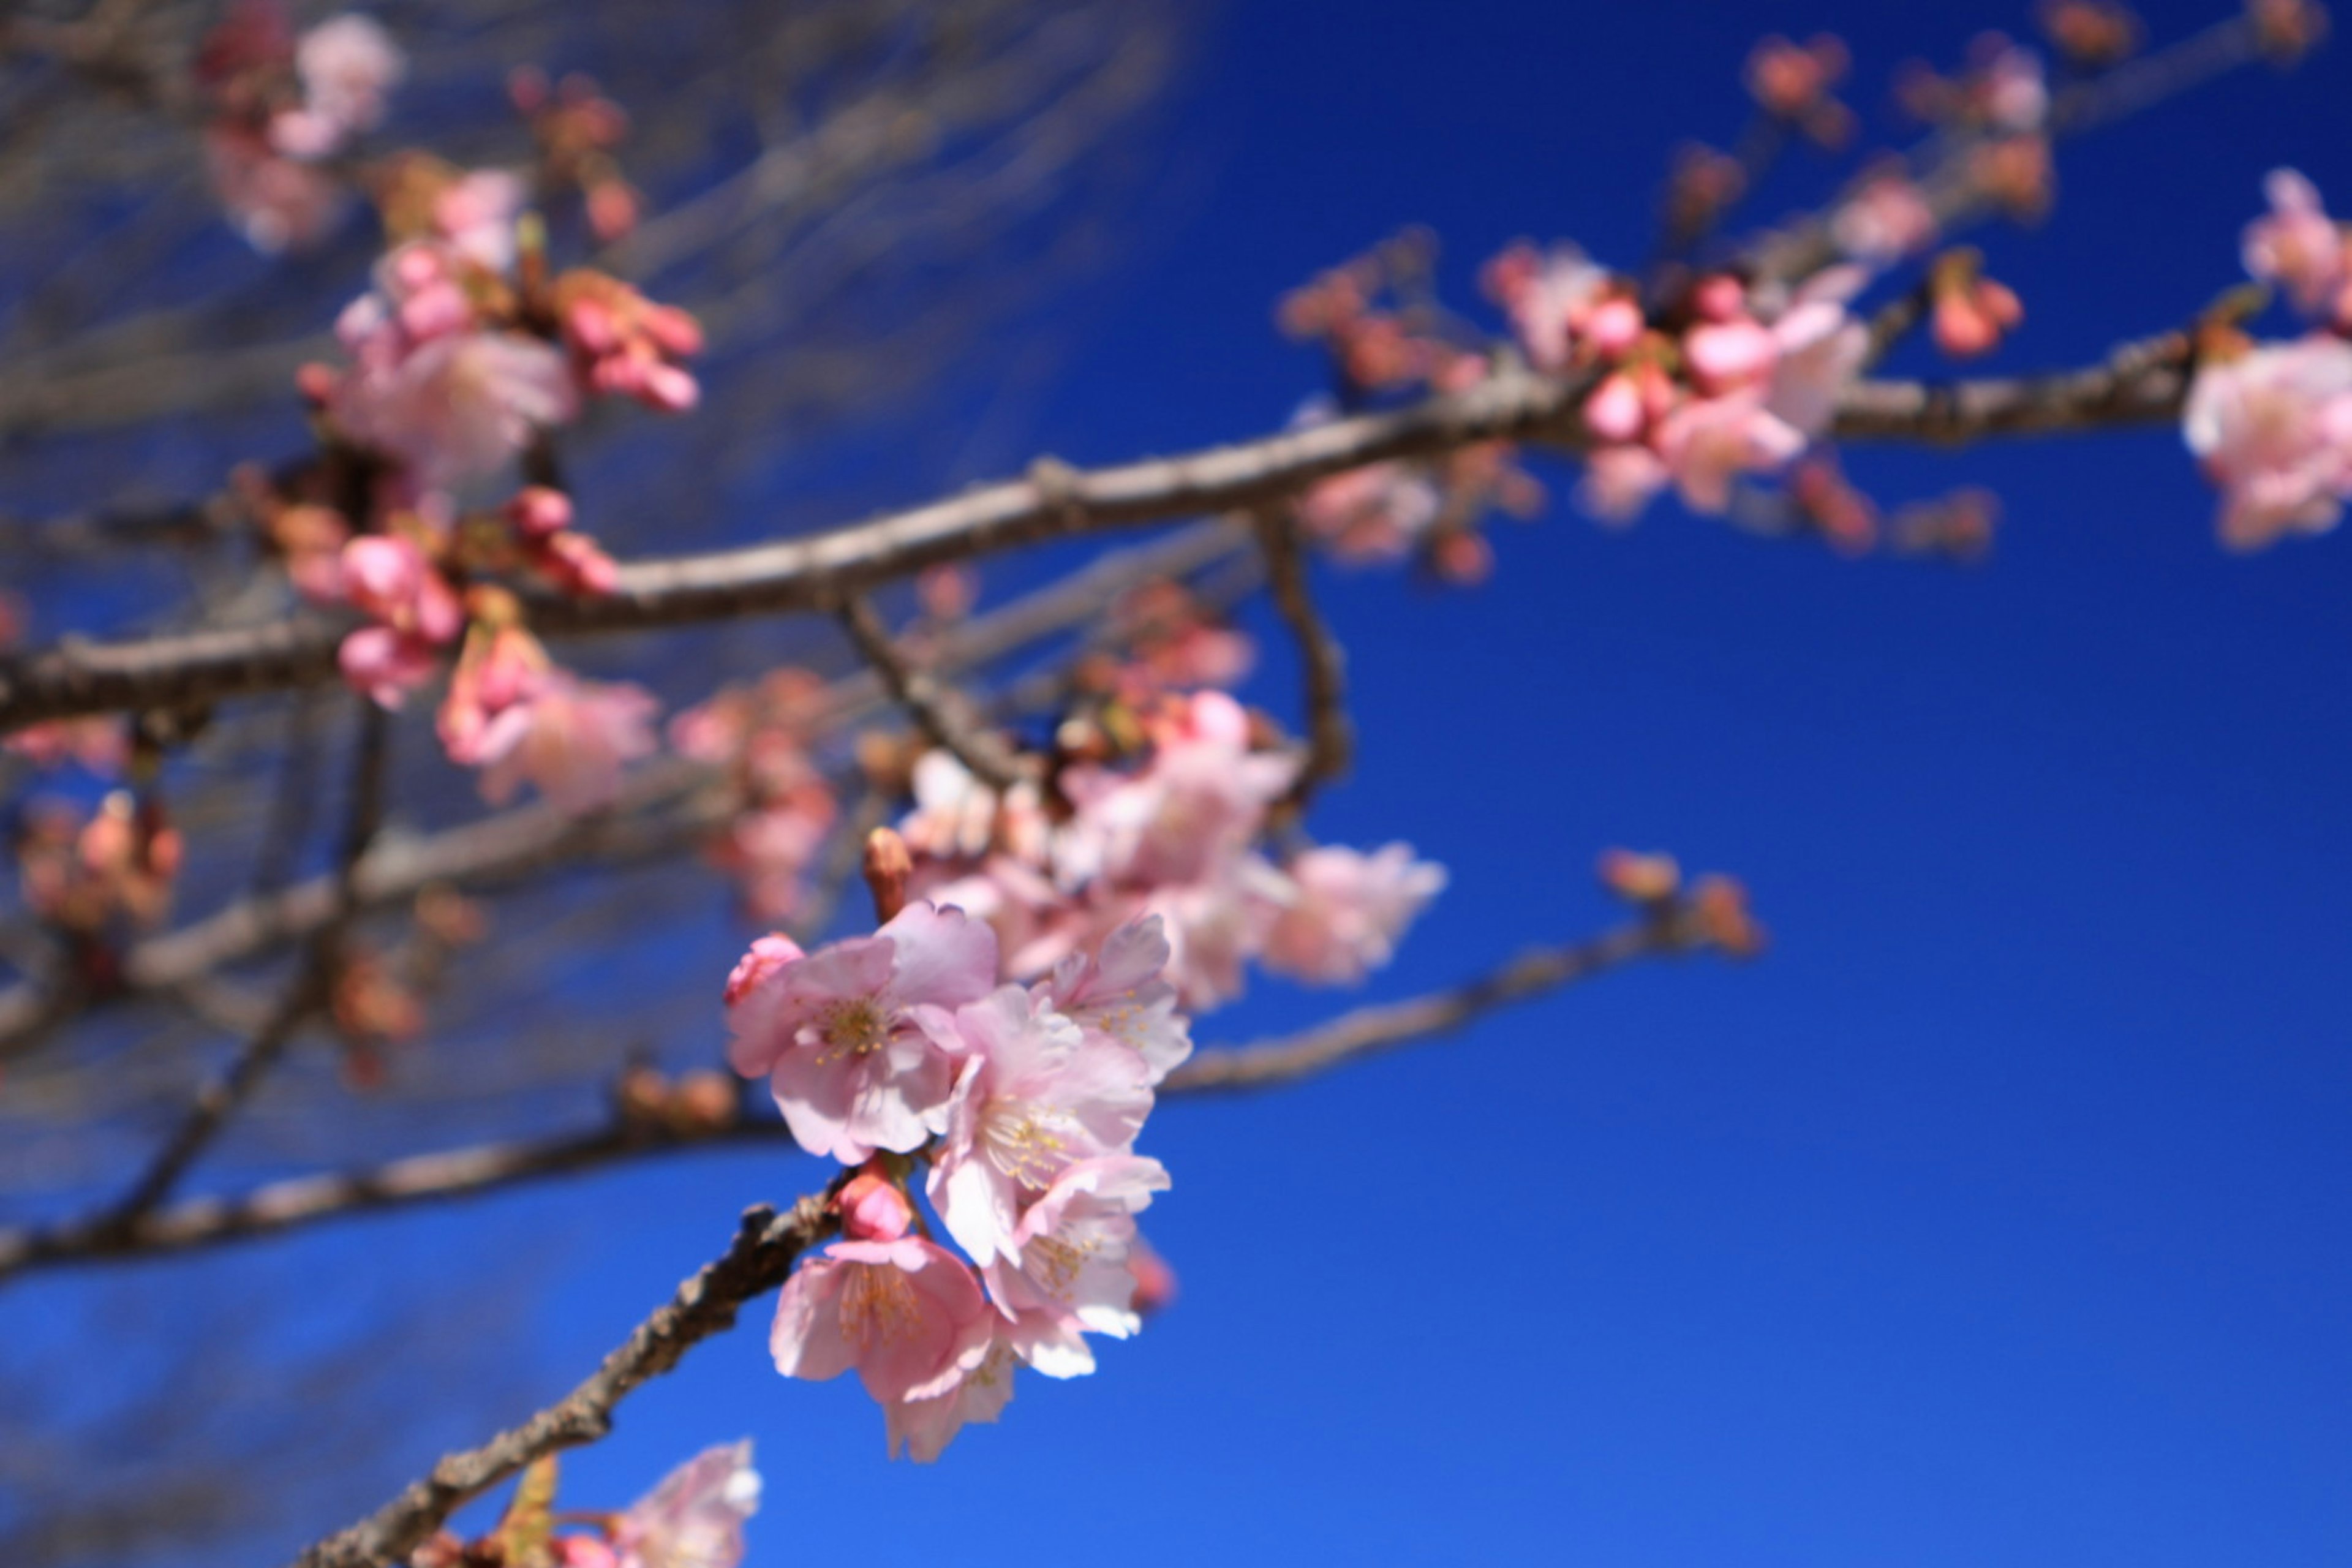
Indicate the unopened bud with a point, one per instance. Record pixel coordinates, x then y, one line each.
873 1208
1640 879
704 1100
1720 907
1155 1281
887 867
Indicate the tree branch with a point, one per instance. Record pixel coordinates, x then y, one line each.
819 570
765 1247
1323 663
451 1175
2142 383
938 710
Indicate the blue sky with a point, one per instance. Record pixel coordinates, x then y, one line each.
1997 1215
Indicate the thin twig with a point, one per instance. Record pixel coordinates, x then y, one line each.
938 710
440 1178
1323 663
304 996
2142 383
765 1246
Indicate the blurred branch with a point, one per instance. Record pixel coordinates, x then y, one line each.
1323 663
472 1172
940 712
765 1247
2142 383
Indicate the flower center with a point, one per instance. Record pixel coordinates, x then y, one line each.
1027 1141
878 1303
856 1028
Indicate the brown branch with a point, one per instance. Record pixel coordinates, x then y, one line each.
1323 663
819 570
2142 383
221 1099
442 1177
515 844
765 1246
1386 1026
937 708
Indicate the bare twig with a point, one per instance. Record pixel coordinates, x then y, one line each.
946 720
441 1177
1323 663
818 570
765 1246
2142 383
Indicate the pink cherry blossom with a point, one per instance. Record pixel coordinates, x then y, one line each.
476 214
694 1519
387 665
1349 910
2298 246
2274 428
859 1039
1620 480
922 1428
1198 803
1885 220
348 66
1547 297
1821 349
1216 926
1035 1097
1708 441
387 577
569 737
456 407
907 1315
276 203
1373 513
1726 354
1066 1274
1117 993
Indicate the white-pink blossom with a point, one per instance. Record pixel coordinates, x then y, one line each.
1198 803
922 1428
1034 1096
571 738
1548 297
1708 441
1885 221
2298 246
1819 348
348 66
456 407
1066 1274
859 1039
1117 992
1348 911
2273 429
694 1519
907 1315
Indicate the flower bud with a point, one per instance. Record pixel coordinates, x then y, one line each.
873 1208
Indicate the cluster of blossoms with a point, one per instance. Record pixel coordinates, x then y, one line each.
2271 423
1168 828
761 737
902 1053
1386 339
461 362
694 1519
282 106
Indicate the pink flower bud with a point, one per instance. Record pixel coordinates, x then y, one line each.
539 511
874 1209
1615 410
1613 326
591 326
767 954
1720 297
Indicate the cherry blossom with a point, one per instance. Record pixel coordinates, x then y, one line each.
1707 442
2298 246
1548 297
907 1315
348 66
694 1518
1199 802
2274 428
1066 1274
1886 219
569 737
1349 909
922 1428
1117 992
859 1039
1034 1096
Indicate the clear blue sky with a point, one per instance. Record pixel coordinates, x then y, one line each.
1998 1215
